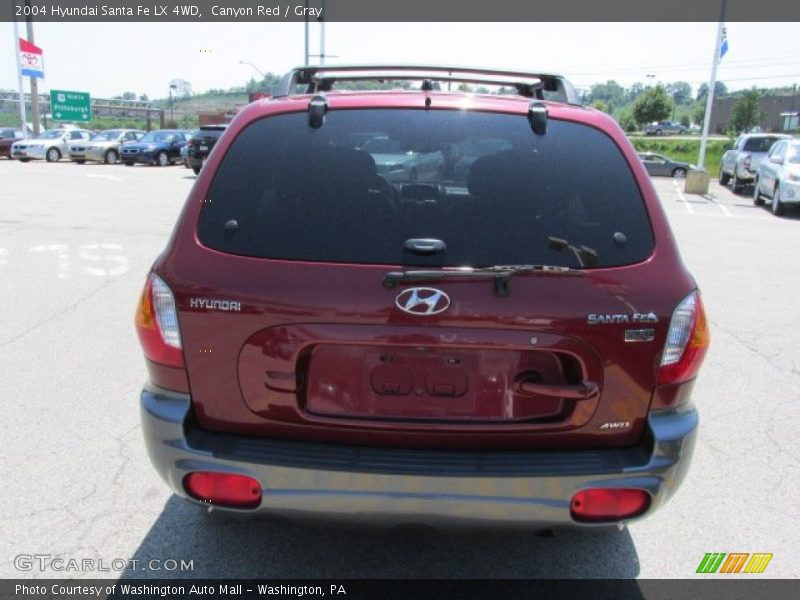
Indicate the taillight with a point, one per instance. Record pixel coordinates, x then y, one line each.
608 504
223 489
687 342
157 324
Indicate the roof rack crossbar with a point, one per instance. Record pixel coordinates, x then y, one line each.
530 84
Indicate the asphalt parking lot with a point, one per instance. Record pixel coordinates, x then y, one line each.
75 245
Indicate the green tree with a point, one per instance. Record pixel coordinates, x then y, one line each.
626 121
612 93
633 92
599 105
720 89
746 111
680 91
699 113
653 105
685 121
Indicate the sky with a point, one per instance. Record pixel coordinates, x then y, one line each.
107 59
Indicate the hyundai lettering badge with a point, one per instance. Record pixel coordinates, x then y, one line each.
422 301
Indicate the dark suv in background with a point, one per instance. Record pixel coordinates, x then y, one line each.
508 340
201 143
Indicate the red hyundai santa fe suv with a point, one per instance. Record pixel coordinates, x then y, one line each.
485 317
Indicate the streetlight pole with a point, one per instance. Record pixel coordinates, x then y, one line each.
23 120
171 104
711 85
259 71
305 12
321 19
34 81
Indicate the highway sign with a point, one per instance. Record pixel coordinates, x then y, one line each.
70 106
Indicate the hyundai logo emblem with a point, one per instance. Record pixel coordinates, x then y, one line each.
422 301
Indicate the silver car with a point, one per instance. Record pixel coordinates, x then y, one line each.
51 145
104 146
740 163
398 165
778 177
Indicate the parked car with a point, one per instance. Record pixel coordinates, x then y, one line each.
185 156
664 127
51 145
520 347
104 146
778 177
740 163
201 143
658 164
7 137
397 164
160 148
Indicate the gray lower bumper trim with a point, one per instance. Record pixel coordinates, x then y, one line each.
530 486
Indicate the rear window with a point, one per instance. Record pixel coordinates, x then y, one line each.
759 144
208 133
483 183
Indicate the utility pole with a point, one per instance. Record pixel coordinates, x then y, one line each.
712 84
305 53
34 82
23 120
322 17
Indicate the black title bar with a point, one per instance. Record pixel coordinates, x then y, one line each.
599 11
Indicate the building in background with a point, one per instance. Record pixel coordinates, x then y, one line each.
780 113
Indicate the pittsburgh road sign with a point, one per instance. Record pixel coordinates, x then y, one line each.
70 106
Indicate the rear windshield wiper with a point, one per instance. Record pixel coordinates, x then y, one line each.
500 273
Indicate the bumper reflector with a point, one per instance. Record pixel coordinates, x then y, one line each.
608 504
223 489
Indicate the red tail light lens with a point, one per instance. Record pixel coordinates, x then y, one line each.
157 324
687 342
223 489
608 504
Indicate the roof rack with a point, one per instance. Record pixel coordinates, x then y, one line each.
532 85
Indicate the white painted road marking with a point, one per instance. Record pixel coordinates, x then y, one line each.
109 177
689 208
719 205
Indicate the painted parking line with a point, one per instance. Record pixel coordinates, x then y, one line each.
109 177
682 198
719 205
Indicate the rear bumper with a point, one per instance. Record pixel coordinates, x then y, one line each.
530 487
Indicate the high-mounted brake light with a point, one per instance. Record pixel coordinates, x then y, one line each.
157 324
687 342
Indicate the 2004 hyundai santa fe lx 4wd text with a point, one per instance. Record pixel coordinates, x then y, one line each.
333 332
